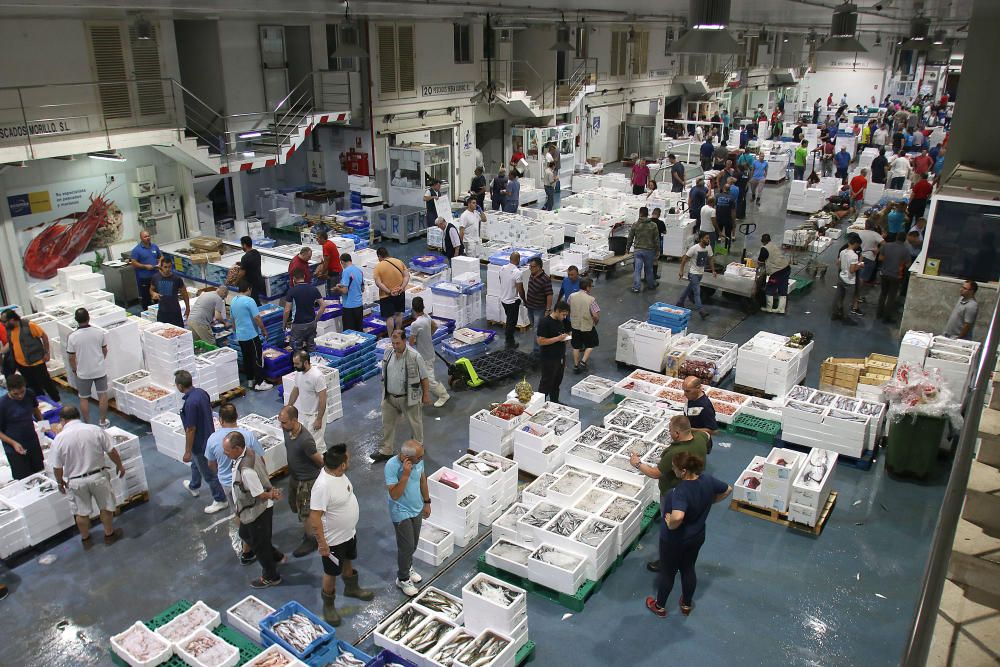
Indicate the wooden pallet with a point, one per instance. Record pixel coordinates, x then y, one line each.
63 383
227 396
132 501
280 472
781 518
751 391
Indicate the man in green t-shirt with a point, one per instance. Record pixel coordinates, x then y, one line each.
682 439
800 157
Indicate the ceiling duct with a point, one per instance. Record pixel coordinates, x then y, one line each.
920 27
562 39
842 31
708 20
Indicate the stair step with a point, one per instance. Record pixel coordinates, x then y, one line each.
989 452
989 423
975 562
964 631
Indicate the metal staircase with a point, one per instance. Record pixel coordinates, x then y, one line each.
528 93
187 129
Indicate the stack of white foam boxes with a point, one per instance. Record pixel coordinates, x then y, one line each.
168 435
436 543
128 449
803 199
955 359
812 486
45 510
490 433
625 349
484 615
268 432
13 531
455 503
767 481
334 404
78 280
651 345
168 349
494 309
767 363
846 425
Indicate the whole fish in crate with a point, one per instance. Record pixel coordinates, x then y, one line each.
557 558
407 619
429 635
346 659
483 651
495 593
447 654
566 523
594 532
542 514
298 631
479 467
434 600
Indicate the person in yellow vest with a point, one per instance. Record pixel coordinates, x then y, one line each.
584 313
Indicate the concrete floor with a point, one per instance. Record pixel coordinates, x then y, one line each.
767 595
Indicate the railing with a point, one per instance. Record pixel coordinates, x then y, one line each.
546 93
922 629
35 115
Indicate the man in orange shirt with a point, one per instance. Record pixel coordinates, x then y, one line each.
858 186
330 268
30 348
391 277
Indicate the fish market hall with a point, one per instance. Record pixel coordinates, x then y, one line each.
455 337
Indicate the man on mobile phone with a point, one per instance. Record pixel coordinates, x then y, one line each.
552 334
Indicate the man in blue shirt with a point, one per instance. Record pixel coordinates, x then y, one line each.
409 505
196 416
512 194
222 465
570 284
706 153
352 284
843 161
758 174
247 322
697 196
145 258
301 302
168 290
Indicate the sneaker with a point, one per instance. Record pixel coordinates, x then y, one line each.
584 367
379 457
248 558
4 591
415 576
261 582
653 565
407 587
113 537
187 485
441 401
264 386
216 506
104 423
576 369
655 608
635 291
856 311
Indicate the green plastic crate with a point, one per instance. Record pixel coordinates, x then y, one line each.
201 347
248 650
761 430
525 653
169 614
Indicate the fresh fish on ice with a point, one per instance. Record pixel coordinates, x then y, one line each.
403 623
298 631
592 435
589 453
569 483
437 601
495 593
619 509
541 514
504 464
478 467
428 635
594 532
483 651
624 488
557 557
566 523
510 551
509 518
592 501
543 417
447 653
563 425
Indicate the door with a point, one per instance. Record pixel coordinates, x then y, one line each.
299 50
274 62
489 140
131 90
561 58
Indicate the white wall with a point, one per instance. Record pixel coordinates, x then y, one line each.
38 51
199 59
860 76
243 82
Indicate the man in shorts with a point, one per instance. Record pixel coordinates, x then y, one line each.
87 349
80 467
304 464
391 277
333 513
584 314
222 466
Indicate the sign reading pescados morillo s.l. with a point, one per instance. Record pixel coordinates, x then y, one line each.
12 131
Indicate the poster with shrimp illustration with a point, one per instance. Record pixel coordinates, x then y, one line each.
60 223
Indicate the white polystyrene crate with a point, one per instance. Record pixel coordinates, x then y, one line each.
506 657
505 526
515 560
537 491
232 653
271 653
534 436
157 659
429 557
445 544
487 485
238 616
210 620
434 654
568 488
431 590
446 494
381 639
407 644
557 578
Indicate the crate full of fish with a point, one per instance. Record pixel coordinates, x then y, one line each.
46 511
450 485
138 646
509 557
593 388
508 472
485 478
277 656
203 649
390 633
337 653
531 526
489 649
564 426
445 653
198 616
295 628
540 462
490 603
436 601
557 568
505 527
626 514
246 616
425 638
811 486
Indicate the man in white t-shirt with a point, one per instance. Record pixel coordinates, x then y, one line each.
511 296
709 225
699 255
849 262
871 241
87 349
899 170
310 392
333 511
469 222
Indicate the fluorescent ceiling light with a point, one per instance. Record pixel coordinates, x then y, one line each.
708 26
110 156
250 135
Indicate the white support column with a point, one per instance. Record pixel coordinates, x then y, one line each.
185 187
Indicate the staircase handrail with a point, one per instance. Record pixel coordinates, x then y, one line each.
918 643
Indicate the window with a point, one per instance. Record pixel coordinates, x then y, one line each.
619 53
396 58
333 39
669 36
640 53
463 43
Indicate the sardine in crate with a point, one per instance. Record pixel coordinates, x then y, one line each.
406 648
448 495
232 652
506 658
379 634
482 613
628 528
537 491
418 602
508 473
601 556
595 558
554 577
157 659
268 636
245 626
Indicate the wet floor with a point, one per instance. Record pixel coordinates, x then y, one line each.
766 595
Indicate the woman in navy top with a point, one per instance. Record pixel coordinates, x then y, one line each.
685 510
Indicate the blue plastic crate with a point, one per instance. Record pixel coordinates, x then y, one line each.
52 414
264 243
267 636
279 366
387 657
369 374
327 653
444 323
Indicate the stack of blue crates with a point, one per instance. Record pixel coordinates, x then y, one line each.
374 325
274 332
275 367
503 257
669 316
429 263
355 364
453 350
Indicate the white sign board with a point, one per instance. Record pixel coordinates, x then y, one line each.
447 89
17 132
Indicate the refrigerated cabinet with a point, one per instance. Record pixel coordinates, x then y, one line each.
411 168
